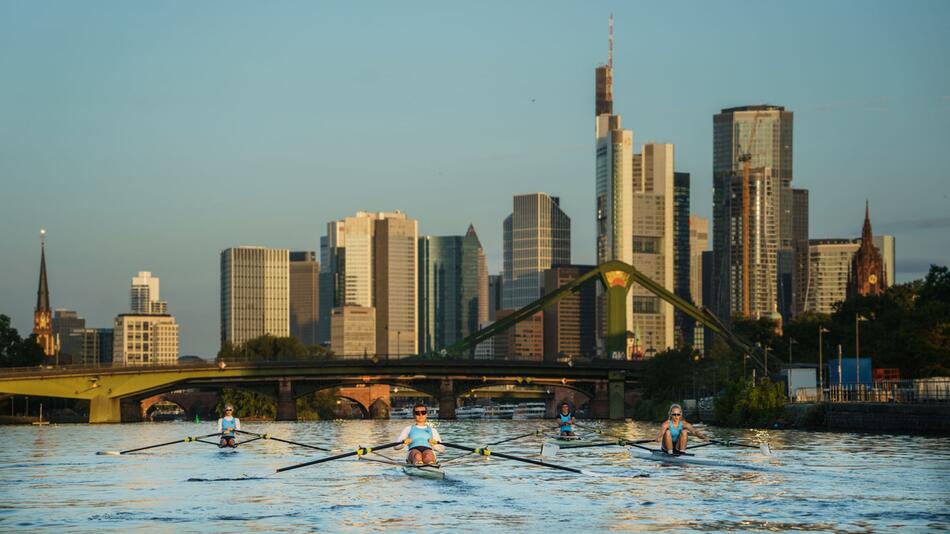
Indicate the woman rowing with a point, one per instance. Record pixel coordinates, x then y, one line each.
565 420
227 426
421 438
674 432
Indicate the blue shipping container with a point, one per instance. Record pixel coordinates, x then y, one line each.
848 371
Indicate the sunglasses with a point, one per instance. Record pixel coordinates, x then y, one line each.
423 412
676 415
229 410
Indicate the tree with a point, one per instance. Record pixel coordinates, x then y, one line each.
268 348
16 351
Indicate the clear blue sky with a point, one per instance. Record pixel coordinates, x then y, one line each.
151 135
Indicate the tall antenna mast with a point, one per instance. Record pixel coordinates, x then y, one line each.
610 52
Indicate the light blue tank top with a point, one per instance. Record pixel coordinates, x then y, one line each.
675 431
420 437
565 422
227 427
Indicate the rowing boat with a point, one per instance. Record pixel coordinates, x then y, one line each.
433 471
688 458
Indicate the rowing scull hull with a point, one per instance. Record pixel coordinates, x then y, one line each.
662 457
424 471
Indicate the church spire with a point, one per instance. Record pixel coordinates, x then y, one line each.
42 294
866 231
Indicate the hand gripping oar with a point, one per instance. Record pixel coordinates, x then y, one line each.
358 452
485 451
268 436
186 440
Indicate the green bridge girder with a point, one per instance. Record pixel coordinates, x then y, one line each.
617 278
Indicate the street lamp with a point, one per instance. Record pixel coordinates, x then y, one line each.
857 350
821 385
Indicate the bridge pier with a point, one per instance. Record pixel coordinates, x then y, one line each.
616 393
104 409
286 405
447 399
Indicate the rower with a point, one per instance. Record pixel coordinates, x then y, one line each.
675 431
227 426
566 420
421 438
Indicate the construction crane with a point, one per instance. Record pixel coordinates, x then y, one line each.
746 159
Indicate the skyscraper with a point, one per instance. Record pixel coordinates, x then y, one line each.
760 136
682 257
144 295
255 294
96 345
304 296
614 185
799 249
451 271
42 314
371 260
653 241
537 236
65 322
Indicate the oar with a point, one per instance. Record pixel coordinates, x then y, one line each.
763 447
358 452
484 451
186 440
268 436
535 433
551 449
609 435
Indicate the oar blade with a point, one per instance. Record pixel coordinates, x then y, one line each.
109 453
765 449
549 450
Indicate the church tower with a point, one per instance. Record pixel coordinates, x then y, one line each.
43 315
867 266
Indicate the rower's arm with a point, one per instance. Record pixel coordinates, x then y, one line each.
403 436
219 425
659 437
437 446
237 423
695 432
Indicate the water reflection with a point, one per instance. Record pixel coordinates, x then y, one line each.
814 482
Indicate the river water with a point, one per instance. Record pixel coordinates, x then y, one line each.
51 479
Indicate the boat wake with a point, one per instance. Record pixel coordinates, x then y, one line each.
227 479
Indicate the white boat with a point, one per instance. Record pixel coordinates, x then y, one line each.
499 411
470 412
689 458
401 413
529 410
424 471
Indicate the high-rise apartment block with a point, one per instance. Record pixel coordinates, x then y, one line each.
800 249
304 296
652 242
452 277
353 332
829 268
537 236
371 260
145 340
570 327
144 295
758 253
96 345
255 294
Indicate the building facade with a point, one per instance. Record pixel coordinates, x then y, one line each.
570 327
653 247
145 340
683 324
698 245
800 249
96 345
304 296
371 260
145 295
452 278
537 236
64 323
762 136
829 267
255 293
523 341
867 266
353 332
886 245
